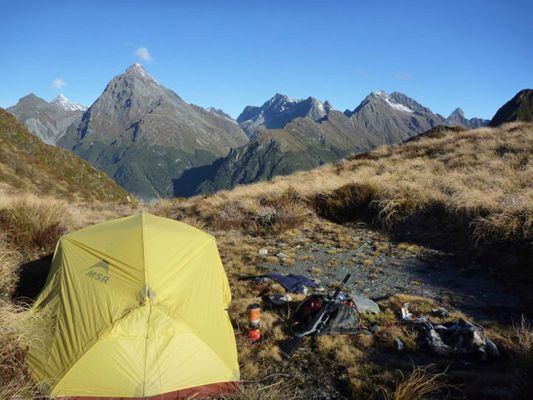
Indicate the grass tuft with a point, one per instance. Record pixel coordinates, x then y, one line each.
418 385
34 225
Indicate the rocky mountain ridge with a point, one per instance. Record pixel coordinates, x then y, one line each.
457 118
154 144
47 120
519 108
279 111
144 135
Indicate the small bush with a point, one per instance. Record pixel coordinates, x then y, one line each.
34 225
266 215
346 203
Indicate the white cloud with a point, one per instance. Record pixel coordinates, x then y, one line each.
403 76
58 83
143 54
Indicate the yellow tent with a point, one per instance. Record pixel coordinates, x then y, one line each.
135 308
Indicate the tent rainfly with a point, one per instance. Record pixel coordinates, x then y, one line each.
135 308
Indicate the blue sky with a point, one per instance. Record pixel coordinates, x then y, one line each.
228 54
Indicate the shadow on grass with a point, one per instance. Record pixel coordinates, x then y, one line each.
32 278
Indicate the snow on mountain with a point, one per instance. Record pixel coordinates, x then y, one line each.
392 103
68 105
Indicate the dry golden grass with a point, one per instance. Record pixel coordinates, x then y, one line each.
522 338
280 389
418 385
476 181
9 263
32 224
15 337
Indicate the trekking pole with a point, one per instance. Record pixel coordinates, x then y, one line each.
344 281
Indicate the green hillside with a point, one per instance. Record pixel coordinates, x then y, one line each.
29 164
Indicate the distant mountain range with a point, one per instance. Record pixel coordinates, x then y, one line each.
289 135
457 118
279 111
47 120
154 144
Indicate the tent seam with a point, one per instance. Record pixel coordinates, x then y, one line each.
146 292
102 336
192 331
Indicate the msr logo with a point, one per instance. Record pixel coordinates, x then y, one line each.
99 272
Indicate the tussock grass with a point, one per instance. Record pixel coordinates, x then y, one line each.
418 385
474 185
34 225
264 391
269 213
15 336
9 263
523 335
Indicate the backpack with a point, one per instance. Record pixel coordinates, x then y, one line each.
341 317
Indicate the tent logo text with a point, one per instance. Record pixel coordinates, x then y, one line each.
99 272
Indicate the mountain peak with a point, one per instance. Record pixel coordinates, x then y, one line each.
458 112
379 93
67 104
279 98
278 111
137 70
457 118
395 100
31 97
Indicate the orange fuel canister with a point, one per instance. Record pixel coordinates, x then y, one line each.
254 315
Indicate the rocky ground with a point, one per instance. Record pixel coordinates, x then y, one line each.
380 268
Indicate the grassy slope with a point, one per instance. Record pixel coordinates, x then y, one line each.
470 189
27 163
480 179
478 183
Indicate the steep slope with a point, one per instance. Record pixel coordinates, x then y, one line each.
28 163
301 145
219 112
457 118
394 117
144 135
519 108
47 121
279 111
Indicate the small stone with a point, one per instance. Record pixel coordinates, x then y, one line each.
263 252
399 344
365 305
440 312
281 256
